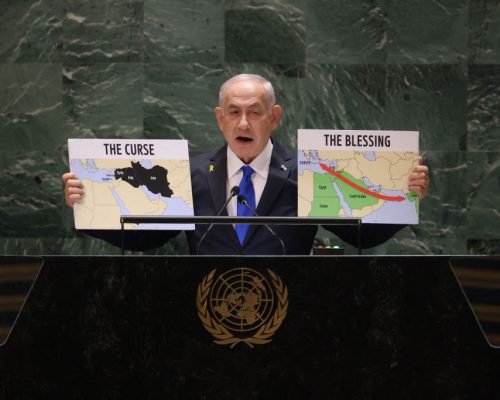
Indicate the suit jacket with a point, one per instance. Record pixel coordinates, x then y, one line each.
279 198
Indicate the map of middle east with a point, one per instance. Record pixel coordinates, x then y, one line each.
367 183
124 184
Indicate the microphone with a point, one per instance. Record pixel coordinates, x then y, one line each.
235 191
243 200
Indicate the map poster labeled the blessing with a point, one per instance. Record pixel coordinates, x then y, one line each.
131 177
361 174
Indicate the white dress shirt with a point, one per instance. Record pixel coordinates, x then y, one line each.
234 174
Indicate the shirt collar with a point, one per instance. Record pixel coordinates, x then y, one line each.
260 164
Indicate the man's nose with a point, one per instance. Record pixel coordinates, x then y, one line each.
243 123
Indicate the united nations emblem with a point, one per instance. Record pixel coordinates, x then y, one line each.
242 306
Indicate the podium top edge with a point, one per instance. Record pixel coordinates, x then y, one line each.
138 219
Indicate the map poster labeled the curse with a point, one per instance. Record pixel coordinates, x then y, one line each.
361 174
131 177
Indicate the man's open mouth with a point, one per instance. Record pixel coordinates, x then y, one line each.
244 139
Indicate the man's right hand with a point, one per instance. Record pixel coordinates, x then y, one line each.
73 189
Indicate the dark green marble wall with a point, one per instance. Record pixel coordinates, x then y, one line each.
152 69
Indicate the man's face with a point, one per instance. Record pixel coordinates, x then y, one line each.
247 119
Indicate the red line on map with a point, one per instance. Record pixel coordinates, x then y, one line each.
357 187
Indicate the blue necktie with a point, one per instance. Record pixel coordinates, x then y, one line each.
248 192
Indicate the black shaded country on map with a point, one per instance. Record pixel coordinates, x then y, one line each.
155 178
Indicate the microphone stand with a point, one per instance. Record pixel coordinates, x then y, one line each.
235 190
242 200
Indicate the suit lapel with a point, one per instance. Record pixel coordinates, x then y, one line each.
279 173
217 174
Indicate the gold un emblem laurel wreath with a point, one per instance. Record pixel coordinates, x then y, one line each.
242 306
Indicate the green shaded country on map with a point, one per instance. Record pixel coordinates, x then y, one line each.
413 198
326 201
355 199
155 179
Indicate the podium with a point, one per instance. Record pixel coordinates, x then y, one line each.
340 327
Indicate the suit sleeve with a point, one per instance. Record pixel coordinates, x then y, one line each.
371 234
137 240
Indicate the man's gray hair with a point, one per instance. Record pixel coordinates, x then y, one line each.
271 98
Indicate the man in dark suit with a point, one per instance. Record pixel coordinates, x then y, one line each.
247 115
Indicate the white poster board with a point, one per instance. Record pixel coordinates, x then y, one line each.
361 174
131 177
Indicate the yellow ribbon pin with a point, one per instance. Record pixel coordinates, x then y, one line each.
211 168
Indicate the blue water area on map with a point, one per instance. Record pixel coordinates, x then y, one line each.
346 207
311 163
166 227
394 211
370 155
150 195
91 172
371 186
147 164
177 207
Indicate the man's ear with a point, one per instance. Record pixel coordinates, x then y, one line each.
218 116
276 116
